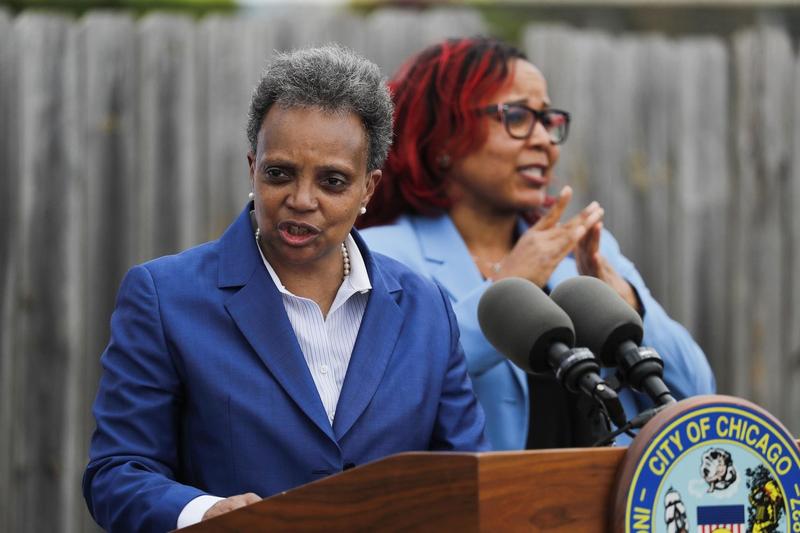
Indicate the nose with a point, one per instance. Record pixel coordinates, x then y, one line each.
303 196
539 137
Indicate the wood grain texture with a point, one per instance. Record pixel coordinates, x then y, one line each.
45 330
791 357
411 492
558 490
169 216
9 188
551 490
764 69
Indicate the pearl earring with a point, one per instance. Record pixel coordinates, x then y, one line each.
251 195
362 210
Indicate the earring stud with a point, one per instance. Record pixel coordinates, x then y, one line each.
251 195
362 210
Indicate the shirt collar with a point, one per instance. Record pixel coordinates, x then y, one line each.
358 280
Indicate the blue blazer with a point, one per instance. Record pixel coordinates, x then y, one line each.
205 390
433 246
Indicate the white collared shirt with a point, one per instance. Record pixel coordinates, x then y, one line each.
326 342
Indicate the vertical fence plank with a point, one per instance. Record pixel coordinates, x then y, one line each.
394 34
699 216
235 51
170 216
391 37
112 180
792 318
9 186
651 165
321 25
764 84
444 22
8 181
45 291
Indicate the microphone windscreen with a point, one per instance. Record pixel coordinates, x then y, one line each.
602 318
521 321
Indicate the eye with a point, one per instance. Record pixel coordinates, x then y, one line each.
516 116
334 182
276 174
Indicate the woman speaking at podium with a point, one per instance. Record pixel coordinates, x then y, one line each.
284 351
464 201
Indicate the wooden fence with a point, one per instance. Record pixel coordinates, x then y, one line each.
122 139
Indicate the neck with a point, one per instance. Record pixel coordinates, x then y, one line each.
487 234
318 281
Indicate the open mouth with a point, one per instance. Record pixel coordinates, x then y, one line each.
533 174
297 233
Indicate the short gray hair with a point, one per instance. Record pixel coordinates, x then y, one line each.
332 78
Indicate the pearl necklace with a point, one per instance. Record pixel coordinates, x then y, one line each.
345 254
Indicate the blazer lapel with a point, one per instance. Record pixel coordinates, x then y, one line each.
450 262
377 337
258 311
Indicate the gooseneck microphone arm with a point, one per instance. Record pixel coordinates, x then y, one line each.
643 369
577 371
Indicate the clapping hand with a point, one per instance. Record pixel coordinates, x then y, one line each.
545 244
591 263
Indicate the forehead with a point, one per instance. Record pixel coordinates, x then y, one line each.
526 84
311 132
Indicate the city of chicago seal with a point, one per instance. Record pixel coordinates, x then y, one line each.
712 464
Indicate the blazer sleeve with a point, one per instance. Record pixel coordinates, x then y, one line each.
129 483
481 355
686 369
460 419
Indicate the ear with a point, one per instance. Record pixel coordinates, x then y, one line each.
373 178
251 163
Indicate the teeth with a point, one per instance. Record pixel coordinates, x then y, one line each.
297 230
536 172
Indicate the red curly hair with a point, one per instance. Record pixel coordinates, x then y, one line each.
436 94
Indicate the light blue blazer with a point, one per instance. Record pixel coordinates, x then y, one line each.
205 390
433 246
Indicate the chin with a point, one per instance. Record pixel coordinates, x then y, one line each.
532 200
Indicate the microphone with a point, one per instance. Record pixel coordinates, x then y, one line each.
609 327
524 324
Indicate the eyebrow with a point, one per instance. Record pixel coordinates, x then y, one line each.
286 163
524 101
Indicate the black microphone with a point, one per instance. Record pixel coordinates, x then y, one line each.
524 324
609 327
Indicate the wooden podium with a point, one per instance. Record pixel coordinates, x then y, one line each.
550 490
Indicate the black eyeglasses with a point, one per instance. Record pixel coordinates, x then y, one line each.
520 120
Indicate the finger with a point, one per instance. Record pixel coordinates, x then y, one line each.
593 238
250 497
594 217
592 212
552 217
